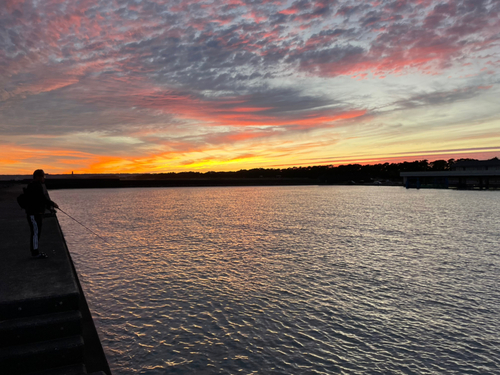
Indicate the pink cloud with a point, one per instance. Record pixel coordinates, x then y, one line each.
230 111
288 11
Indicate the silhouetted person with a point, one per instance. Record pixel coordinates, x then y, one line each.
38 200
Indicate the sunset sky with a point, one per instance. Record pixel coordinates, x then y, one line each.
109 86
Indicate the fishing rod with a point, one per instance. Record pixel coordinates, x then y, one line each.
91 231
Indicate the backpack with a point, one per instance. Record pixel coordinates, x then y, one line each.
22 200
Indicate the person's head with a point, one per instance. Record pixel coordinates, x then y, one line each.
39 175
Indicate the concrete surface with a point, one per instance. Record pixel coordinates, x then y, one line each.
45 322
22 278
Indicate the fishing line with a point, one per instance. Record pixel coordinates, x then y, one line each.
91 231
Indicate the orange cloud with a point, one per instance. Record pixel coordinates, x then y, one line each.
251 109
25 159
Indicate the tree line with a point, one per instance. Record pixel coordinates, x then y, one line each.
356 173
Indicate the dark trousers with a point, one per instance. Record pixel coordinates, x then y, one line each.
35 222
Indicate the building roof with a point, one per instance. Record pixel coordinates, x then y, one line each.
495 162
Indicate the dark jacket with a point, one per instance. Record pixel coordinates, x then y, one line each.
38 198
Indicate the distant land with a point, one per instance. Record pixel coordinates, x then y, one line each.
379 174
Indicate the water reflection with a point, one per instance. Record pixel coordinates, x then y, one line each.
281 280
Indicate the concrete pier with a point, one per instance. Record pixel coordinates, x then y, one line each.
487 179
45 323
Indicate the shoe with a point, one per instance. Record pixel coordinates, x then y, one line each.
40 256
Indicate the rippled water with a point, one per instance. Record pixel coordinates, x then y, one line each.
291 280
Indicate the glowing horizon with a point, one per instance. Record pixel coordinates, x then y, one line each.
167 86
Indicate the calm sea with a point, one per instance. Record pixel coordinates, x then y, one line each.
290 280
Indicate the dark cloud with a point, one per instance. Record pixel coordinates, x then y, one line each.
351 10
437 98
188 43
181 39
319 61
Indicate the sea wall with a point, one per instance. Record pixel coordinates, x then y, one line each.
45 322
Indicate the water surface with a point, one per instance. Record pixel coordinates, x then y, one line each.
290 280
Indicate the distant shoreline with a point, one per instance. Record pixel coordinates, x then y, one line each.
350 174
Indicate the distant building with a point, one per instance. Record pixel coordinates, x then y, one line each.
477 165
464 174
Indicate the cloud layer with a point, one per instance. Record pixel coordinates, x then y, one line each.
164 85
